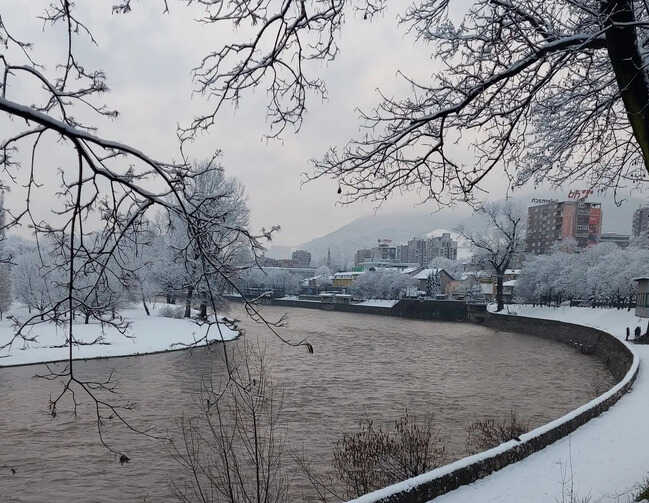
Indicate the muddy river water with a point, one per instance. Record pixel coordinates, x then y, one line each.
364 366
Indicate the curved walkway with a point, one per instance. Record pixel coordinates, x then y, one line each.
603 459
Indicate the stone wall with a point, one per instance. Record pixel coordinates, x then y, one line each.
610 350
447 310
615 355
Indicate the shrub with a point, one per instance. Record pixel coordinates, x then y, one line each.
643 491
171 311
373 458
488 433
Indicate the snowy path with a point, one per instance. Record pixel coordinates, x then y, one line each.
151 334
605 458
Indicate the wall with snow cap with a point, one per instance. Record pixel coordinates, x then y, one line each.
622 363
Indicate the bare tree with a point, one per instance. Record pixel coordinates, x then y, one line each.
106 190
234 450
499 242
550 91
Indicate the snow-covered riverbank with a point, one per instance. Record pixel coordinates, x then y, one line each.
605 459
146 334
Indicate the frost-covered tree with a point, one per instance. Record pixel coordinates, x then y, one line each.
499 241
453 267
603 273
53 103
381 284
5 258
199 261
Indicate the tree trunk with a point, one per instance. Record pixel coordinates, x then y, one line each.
203 314
146 308
87 318
188 302
622 46
499 291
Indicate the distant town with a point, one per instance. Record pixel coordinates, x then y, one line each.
428 267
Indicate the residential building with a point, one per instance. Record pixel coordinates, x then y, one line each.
301 258
442 246
422 277
622 240
550 222
640 221
402 252
363 255
417 250
384 251
345 279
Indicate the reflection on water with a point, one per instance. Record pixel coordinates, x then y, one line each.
363 366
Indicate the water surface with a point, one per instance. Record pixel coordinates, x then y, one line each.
364 366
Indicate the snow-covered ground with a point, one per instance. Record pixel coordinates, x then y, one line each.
378 303
146 334
604 459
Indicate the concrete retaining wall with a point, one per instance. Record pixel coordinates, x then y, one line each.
622 363
347 308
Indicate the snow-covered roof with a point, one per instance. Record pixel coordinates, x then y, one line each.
347 274
510 282
512 271
409 270
640 278
425 273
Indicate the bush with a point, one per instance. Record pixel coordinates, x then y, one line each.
643 491
172 312
372 458
488 433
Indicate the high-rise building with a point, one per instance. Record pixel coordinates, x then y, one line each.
384 251
640 221
442 246
301 258
551 222
362 255
417 251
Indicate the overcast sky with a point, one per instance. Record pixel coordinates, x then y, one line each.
148 57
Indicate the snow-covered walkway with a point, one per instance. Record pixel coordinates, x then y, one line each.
604 459
147 334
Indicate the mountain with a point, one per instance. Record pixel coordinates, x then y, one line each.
364 232
400 227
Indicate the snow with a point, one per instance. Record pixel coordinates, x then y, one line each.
150 334
605 458
425 273
377 303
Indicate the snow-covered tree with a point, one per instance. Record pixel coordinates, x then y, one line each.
602 273
552 91
5 258
453 267
381 284
199 256
500 240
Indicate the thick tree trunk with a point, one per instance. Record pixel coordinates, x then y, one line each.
188 302
622 46
203 314
499 292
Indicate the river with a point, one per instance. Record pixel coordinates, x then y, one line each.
364 366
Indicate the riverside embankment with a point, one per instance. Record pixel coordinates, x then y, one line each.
621 361
363 367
